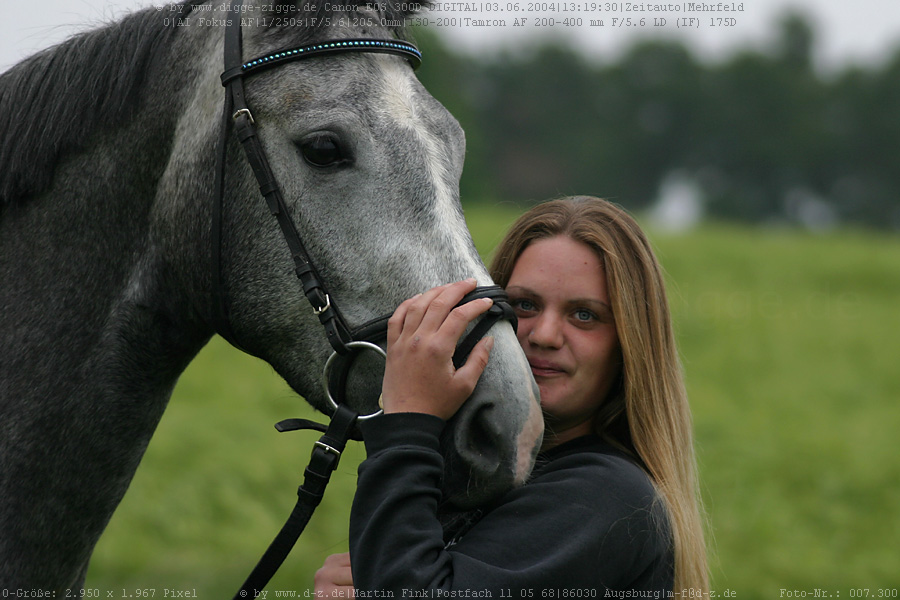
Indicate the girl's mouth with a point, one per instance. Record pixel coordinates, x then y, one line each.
545 368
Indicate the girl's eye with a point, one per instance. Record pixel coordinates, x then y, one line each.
523 305
584 315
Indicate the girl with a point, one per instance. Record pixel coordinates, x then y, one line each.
612 504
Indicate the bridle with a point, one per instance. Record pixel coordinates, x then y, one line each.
345 341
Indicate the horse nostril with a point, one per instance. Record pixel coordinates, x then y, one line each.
478 440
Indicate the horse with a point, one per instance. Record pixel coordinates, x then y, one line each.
107 195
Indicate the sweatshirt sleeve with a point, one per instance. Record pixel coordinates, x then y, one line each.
592 522
396 540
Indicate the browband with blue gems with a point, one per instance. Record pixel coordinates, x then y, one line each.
405 49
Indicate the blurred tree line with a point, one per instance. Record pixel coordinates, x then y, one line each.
762 136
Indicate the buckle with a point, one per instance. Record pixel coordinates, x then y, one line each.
319 311
246 112
327 448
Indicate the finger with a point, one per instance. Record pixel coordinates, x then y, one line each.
396 321
341 559
445 302
408 316
334 572
416 308
459 318
470 372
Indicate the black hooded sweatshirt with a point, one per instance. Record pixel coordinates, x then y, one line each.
588 524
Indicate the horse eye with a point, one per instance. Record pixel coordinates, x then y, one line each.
322 151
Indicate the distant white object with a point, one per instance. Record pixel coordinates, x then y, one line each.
679 205
810 210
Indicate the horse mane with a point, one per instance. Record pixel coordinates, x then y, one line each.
51 102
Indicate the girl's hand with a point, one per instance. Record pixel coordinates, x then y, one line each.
422 336
334 579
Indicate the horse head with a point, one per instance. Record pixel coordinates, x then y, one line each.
368 164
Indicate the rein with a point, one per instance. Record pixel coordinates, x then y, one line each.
346 342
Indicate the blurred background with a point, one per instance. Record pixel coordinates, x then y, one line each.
760 112
760 147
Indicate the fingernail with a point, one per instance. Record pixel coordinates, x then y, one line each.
471 280
489 343
487 300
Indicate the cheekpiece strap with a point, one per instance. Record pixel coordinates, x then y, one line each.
314 288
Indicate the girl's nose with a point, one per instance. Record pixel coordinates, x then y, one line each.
546 331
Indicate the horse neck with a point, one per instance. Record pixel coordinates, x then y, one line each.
96 325
93 267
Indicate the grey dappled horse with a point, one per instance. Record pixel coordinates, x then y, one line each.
106 187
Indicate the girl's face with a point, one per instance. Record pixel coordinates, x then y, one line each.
567 329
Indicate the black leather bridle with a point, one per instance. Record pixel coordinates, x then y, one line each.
345 341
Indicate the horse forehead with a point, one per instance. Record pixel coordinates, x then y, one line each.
405 102
395 90
402 104
432 140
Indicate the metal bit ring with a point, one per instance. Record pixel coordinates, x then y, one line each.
326 373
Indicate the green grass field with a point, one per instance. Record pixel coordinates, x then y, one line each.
790 347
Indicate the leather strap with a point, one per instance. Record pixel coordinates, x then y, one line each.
237 113
500 310
376 329
405 49
219 308
325 457
313 286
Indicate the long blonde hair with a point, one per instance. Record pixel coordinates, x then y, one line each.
647 413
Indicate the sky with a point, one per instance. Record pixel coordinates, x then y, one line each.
849 31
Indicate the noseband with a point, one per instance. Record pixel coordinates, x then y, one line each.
346 341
